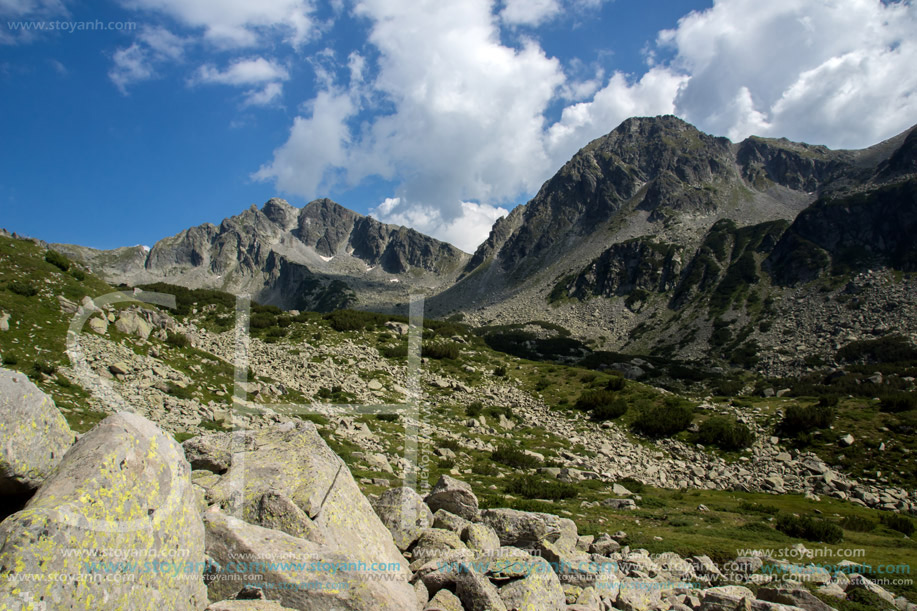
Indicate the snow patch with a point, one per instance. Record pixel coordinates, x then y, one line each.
369 269
394 280
325 259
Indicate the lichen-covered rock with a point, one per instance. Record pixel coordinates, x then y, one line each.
797 597
290 464
336 579
433 543
480 537
404 513
455 496
539 590
122 497
33 434
444 601
247 605
526 529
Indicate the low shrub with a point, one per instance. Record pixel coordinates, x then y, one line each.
43 368
615 383
899 402
610 411
664 420
858 524
22 288
592 399
897 522
751 507
810 529
500 371
799 419
482 466
512 456
178 340
399 351
726 433
441 351
79 274
474 409
57 260
535 487
387 417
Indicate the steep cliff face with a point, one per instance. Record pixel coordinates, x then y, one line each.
870 229
321 257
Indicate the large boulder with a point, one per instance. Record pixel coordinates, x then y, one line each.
298 573
455 496
528 530
404 513
540 588
797 597
120 501
290 465
33 434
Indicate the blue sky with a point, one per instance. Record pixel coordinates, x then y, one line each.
124 121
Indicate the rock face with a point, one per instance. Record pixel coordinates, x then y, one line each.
33 434
290 465
123 487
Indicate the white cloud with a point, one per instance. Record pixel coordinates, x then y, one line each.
264 96
131 65
653 94
252 71
163 43
466 231
838 73
467 119
316 144
529 12
239 23
266 74
154 47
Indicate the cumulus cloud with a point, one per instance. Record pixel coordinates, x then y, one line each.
316 143
466 231
837 73
467 119
239 23
251 71
529 12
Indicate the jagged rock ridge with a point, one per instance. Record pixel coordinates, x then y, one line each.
322 257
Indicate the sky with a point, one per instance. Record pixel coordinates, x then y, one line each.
126 121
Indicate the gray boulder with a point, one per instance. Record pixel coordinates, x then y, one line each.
404 513
124 486
338 582
292 464
455 496
527 530
797 597
33 434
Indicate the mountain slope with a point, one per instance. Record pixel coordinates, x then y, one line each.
648 238
322 257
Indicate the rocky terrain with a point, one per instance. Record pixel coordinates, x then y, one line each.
272 519
681 371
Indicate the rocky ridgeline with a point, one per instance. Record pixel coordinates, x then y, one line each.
362 372
271 519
